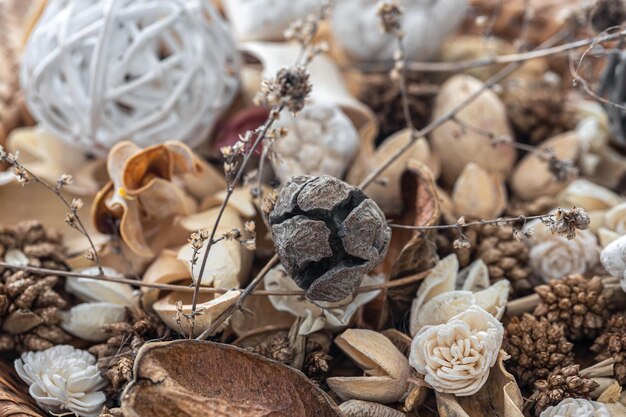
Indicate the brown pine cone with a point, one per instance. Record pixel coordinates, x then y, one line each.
117 355
575 302
316 362
383 97
111 412
565 382
30 304
612 344
276 348
536 347
537 110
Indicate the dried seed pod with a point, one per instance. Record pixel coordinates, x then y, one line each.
328 235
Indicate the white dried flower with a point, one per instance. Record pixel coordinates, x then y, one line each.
576 407
63 379
554 257
613 258
315 317
456 357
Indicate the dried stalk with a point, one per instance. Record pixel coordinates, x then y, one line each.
24 176
500 221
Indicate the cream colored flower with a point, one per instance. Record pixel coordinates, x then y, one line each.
315 317
576 407
63 379
456 357
553 256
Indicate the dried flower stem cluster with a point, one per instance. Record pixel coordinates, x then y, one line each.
25 176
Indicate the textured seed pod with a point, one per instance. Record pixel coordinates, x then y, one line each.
327 234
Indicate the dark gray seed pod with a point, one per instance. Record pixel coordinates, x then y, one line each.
328 235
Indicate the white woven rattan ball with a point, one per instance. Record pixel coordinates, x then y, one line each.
96 72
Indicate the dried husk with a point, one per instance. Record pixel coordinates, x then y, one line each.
389 193
532 178
499 397
14 398
207 379
386 368
358 408
456 146
477 194
166 269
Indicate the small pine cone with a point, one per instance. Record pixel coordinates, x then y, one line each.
537 110
536 347
316 364
32 342
505 257
54 334
565 382
7 343
575 302
120 373
612 344
111 412
277 348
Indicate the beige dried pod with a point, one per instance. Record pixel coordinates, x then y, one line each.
86 320
386 368
614 220
588 195
532 177
456 146
358 408
613 259
172 308
442 279
478 194
166 269
240 200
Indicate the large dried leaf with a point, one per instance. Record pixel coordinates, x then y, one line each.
499 397
205 379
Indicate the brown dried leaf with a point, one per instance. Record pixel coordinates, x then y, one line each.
206 379
499 397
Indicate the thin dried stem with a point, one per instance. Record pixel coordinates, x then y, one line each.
500 221
73 219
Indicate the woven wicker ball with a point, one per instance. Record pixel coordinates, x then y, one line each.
96 72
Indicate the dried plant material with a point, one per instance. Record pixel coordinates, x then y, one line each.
15 401
229 262
456 357
88 289
477 194
588 195
578 407
314 317
359 408
49 158
437 301
319 140
536 347
613 224
563 383
207 379
386 368
613 259
143 193
356 28
538 109
240 200
612 344
553 256
175 310
88 320
577 303
499 397
264 20
456 146
611 394
532 176
328 235
166 269
62 379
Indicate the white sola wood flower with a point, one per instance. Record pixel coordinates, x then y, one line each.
577 407
456 357
63 379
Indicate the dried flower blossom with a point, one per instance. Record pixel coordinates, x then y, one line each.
290 88
456 357
566 222
63 378
390 14
576 407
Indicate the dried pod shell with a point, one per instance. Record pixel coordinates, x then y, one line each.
386 368
456 146
87 319
478 194
613 258
88 289
328 235
358 408
166 269
532 177
588 195
210 306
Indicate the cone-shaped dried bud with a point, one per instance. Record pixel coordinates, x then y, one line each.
536 347
575 302
565 382
612 344
328 235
